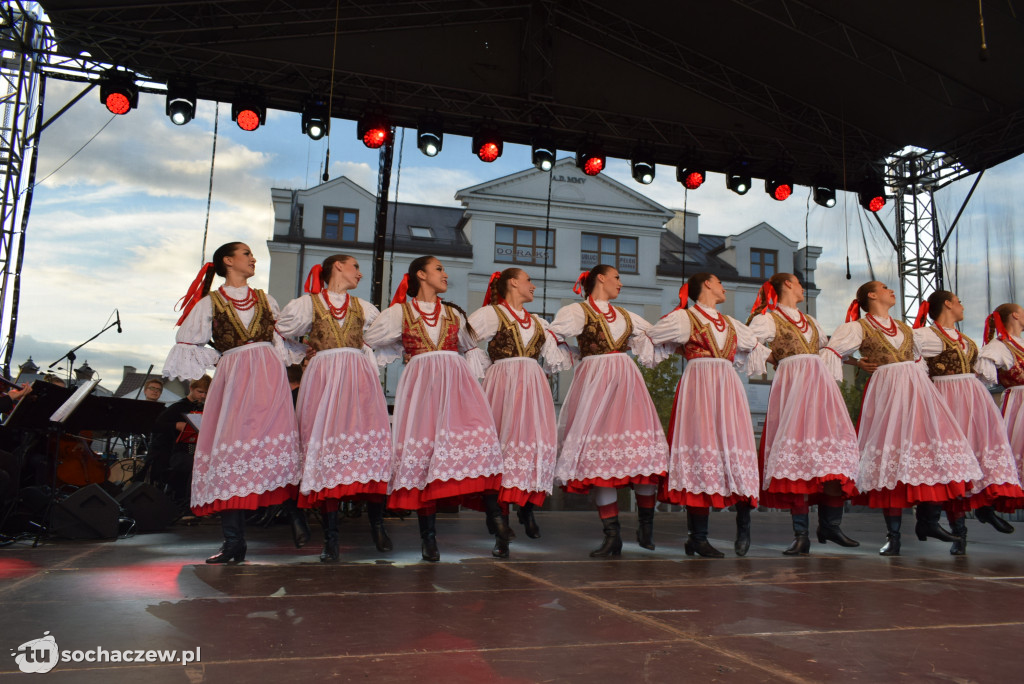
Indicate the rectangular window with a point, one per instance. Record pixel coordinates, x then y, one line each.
763 263
421 232
620 252
528 246
340 224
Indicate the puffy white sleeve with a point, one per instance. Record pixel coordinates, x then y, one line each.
475 356
928 343
569 321
190 358
763 327
288 351
556 353
370 314
485 323
384 335
646 352
751 355
672 328
845 340
993 356
296 318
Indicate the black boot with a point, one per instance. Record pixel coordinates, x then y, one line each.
928 523
232 524
987 514
697 542
829 519
801 545
526 519
892 537
959 527
428 538
500 549
375 512
330 553
645 527
300 528
742 528
495 520
612 545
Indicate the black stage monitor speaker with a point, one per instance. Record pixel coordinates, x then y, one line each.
89 513
151 509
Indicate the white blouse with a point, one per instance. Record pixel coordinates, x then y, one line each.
569 322
556 355
764 329
297 317
190 358
848 338
930 344
995 355
674 329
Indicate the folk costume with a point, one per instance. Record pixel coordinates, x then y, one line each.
609 432
341 411
713 459
1001 361
916 455
808 438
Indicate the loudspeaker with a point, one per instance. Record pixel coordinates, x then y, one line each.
89 513
151 508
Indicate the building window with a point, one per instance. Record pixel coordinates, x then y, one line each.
763 263
340 224
529 246
620 252
421 232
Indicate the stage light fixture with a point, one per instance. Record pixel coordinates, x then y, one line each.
249 110
487 145
690 178
872 196
738 182
430 137
590 159
373 129
118 91
316 121
824 196
642 166
543 153
778 190
181 101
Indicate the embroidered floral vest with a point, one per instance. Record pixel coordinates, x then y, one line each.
702 345
416 339
952 360
1014 376
876 348
596 338
228 331
328 333
507 343
789 341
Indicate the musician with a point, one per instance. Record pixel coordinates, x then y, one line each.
173 443
7 401
153 388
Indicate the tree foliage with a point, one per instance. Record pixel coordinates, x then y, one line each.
661 383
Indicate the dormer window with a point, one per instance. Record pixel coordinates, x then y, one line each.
764 263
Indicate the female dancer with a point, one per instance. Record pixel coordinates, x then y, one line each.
608 428
247 454
808 446
951 358
713 460
446 446
915 454
1002 360
341 411
519 394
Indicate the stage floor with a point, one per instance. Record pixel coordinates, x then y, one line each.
549 614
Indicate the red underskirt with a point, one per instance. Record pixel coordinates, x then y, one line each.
784 493
1005 498
357 491
584 486
703 500
250 502
514 495
444 492
905 496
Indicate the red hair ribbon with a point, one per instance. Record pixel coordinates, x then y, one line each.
684 295
578 287
922 314
767 298
487 297
853 313
403 287
994 327
194 294
313 280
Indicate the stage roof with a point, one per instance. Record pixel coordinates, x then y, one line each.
815 90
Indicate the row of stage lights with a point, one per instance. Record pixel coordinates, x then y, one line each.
120 94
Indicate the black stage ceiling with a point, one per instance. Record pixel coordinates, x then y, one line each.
817 90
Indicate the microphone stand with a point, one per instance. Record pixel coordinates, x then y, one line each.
70 356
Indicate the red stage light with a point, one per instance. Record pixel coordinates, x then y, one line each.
693 180
489 151
876 203
375 137
782 192
248 120
593 166
118 103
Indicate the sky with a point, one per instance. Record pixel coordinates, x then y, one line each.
120 223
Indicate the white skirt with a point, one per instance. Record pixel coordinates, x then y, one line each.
1013 414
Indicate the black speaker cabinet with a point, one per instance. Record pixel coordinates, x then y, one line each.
89 513
151 509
